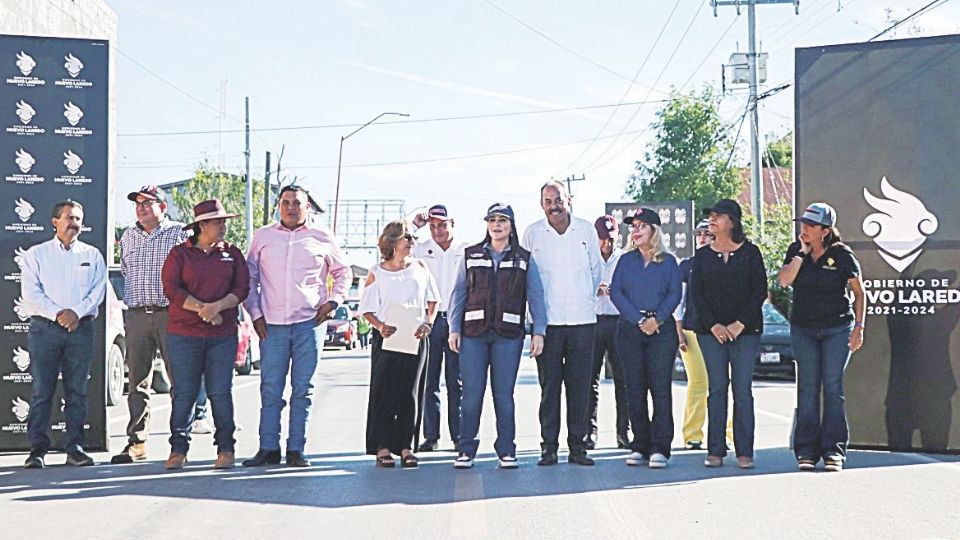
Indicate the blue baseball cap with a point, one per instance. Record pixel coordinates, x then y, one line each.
499 209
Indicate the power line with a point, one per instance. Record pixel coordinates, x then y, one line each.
562 46
629 87
410 121
676 49
925 9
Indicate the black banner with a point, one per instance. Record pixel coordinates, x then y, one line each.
877 129
53 145
677 221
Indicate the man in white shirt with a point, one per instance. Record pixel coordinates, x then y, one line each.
566 252
606 336
63 284
443 256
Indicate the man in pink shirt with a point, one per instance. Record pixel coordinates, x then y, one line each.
289 264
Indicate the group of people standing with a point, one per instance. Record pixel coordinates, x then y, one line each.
589 302
447 306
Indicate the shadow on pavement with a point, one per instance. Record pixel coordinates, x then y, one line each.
351 480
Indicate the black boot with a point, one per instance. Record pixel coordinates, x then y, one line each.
263 457
296 459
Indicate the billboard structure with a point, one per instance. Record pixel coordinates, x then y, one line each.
53 146
876 133
676 220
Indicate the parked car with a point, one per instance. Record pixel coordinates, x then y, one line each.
116 368
776 354
248 345
342 330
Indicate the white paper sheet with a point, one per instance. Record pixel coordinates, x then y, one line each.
406 320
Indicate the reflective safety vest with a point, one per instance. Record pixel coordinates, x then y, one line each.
495 299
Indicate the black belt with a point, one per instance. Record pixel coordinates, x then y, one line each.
607 317
48 321
148 309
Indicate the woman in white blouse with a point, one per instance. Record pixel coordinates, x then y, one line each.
394 287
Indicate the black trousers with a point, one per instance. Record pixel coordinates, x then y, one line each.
604 346
395 404
567 361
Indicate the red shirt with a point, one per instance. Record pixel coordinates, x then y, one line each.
208 277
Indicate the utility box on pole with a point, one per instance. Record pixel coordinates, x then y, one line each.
740 64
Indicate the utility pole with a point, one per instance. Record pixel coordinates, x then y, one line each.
266 191
756 163
570 188
248 199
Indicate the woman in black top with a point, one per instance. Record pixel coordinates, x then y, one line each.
825 330
728 284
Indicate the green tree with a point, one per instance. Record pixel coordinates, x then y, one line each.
777 236
779 151
208 183
690 157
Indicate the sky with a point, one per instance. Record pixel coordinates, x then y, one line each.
562 88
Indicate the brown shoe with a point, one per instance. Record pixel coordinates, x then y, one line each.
713 461
745 462
132 452
225 460
175 461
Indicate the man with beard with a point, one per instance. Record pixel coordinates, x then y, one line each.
566 251
63 284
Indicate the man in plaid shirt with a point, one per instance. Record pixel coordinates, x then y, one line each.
143 249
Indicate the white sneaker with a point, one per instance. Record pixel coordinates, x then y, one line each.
636 459
463 461
509 462
201 427
658 461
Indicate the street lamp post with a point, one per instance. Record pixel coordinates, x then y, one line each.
336 199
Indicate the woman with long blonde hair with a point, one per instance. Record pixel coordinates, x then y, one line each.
646 289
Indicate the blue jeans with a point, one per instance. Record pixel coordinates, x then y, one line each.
441 356
730 362
502 357
294 349
54 351
211 360
648 367
821 355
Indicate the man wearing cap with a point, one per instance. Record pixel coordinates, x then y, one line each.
290 263
608 233
143 249
566 252
64 282
443 256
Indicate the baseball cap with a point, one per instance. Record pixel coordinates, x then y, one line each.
725 206
702 225
499 209
819 214
438 211
150 192
606 227
644 215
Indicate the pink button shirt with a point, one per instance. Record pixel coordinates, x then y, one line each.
288 273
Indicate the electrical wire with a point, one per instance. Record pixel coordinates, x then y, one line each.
925 9
409 121
633 81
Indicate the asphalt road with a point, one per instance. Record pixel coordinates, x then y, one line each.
880 495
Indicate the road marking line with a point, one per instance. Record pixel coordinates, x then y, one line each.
469 518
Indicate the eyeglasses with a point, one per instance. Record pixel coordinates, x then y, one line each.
409 237
147 203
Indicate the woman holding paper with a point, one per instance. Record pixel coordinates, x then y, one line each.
399 301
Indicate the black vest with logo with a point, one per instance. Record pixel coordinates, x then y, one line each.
495 300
